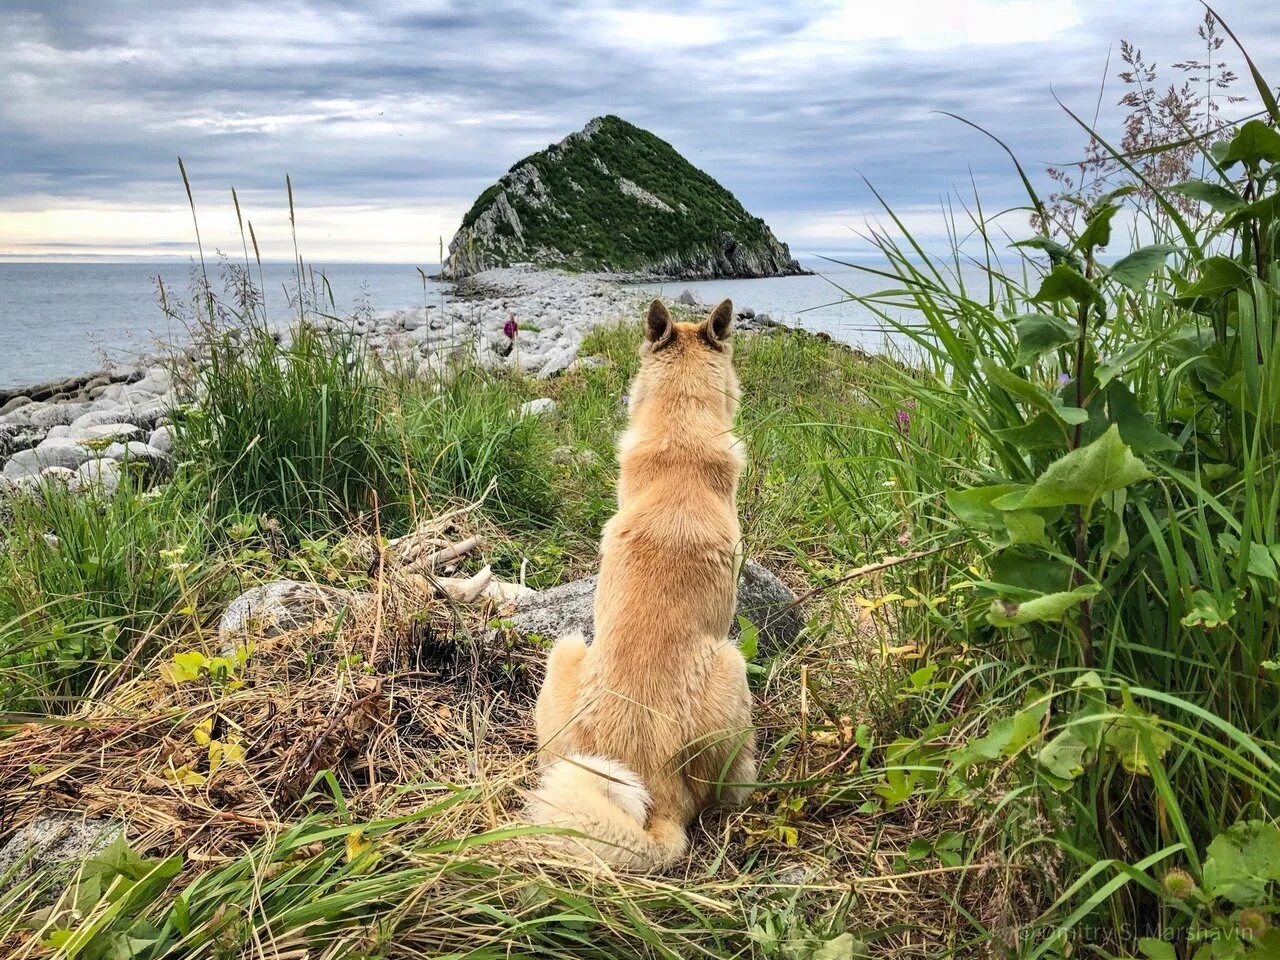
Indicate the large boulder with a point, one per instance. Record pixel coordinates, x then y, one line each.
275 608
53 842
53 452
762 598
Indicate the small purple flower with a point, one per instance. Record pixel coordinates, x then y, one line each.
1064 378
510 328
626 400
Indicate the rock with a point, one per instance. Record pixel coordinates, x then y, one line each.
57 475
101 477
137 451
162 439
41 416
54 842
762 598
56 452
105 431
746 313
537 407
13 403
687 298
591 363
107 413
275 608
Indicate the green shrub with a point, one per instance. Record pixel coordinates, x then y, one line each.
1123 511
303 432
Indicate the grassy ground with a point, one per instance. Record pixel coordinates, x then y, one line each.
383 840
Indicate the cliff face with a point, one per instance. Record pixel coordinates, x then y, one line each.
614 197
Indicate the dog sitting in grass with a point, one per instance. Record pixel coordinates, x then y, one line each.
651 723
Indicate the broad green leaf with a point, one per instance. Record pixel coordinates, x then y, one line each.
1122 739
1038 333
1041 432
1082 476
1052 606
1056 251
1135 269
1097 230
748 639
1009 735
1206 611
1032 394
1064 756
1262 560
1025 526
1253 143
1031 571
1154 949
1066 283
1220 198
1241 861
1135 429
1218 275
973 506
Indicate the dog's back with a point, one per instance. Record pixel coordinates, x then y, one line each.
661 692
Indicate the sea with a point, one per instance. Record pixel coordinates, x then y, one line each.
63 319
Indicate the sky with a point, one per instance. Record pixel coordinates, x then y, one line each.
390 116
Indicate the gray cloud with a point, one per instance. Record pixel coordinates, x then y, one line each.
389 102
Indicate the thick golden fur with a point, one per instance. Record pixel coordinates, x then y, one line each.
639 729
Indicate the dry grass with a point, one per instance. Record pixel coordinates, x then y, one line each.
414 705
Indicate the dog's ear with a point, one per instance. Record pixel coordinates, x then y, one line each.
718 326
658 327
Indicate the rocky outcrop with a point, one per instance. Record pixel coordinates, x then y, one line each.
616 198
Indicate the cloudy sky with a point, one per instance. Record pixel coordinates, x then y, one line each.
391 115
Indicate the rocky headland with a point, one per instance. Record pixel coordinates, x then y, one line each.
613 197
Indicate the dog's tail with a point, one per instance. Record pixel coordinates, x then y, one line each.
609 805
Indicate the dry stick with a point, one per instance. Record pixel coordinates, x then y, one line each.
885 564
377 614
451 552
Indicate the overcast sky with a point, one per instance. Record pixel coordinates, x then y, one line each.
392 115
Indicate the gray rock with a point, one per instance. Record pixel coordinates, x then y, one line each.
557 362
13 403
762 598
54 843
107 413
57 475
105 431
537 407
100 477
687 298
42 415
746 313
137 451
56 452
594 362
274 608
162 439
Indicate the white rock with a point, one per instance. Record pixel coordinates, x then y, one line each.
55 452
162 439
537 407
97 477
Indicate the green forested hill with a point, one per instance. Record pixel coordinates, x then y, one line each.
615 197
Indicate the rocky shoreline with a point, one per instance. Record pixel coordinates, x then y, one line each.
80 430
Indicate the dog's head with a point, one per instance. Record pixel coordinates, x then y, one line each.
690 362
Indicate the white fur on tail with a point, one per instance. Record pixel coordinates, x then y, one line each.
604 800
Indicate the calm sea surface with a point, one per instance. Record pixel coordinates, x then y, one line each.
61 319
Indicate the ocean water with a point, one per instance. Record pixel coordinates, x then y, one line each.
62 319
